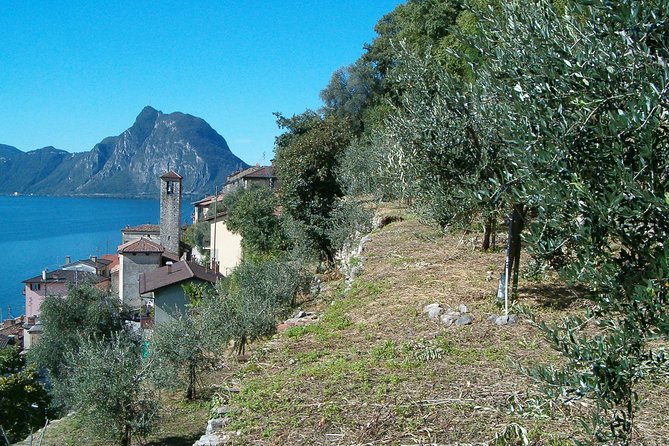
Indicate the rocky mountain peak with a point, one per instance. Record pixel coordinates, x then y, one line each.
129 164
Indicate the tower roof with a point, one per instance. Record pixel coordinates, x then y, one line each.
141 245
171 175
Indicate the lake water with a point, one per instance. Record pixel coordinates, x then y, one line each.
38 232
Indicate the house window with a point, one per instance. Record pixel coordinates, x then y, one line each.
35 286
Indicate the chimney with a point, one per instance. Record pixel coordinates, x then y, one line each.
169 267
94 259
68 260
44 271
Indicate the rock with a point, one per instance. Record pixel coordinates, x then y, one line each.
465 319
216 424
222 410
448 318
492 317
462 308
300 314
433 310
214 439
507 320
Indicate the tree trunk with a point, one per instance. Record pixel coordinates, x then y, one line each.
127 436
190 391
493 236
517 224
242 346
488 234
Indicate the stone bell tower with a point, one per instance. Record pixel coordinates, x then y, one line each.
170 211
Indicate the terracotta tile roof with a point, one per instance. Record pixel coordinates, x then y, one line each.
171 175
171 256
113 260
242 173
99 263
263 172
173 274
141 245
206 201
147 227
67 276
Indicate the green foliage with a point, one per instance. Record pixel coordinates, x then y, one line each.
421 24
306 163
180 351
351 91
349 220
579 97
10 360
198 235
252 214
195 292
24 402
107 385
436 145
253 298
86 312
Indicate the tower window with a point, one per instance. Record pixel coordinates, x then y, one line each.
170 188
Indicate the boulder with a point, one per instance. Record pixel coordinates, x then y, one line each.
433 310
506 320
448 318
216 425
215 439
465 319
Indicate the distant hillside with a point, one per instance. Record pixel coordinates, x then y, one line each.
127 165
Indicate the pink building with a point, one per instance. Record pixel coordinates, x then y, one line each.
56 283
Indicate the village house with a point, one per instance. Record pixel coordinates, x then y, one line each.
164 286
148 247
57 283
91 271
95 265
225 248
11 332
261 176
32 332
114 268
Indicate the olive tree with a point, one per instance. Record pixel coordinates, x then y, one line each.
580 97
107 384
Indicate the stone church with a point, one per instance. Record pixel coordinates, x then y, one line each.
147 247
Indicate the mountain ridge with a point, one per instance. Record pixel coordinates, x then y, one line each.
126 165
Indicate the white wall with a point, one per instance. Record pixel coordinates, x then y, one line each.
226 247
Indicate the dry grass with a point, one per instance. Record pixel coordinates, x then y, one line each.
376 371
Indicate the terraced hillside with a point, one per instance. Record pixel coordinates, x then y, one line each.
375 370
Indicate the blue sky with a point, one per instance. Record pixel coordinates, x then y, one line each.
74 72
